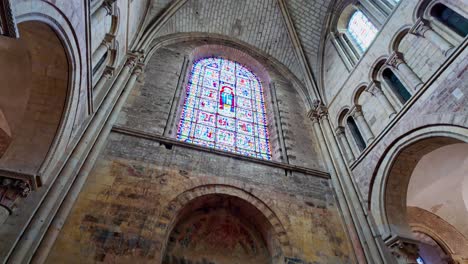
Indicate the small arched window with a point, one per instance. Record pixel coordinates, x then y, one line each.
361 30
224 109
450 19
356 133
396 85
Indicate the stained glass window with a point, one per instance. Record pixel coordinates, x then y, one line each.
420 260
224 109
361 30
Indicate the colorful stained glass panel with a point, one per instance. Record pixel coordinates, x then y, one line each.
361 30
224 109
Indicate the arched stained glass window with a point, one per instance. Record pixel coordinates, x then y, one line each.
224 109
361 30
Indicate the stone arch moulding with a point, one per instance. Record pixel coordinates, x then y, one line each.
342 113
447 236
423 11
423 8
168 217
379 203
360 88
43 12
377 68
397 38
255 53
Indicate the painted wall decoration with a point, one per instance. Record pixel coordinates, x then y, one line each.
224 109
216 236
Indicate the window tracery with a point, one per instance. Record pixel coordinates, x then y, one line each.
361 30
224 109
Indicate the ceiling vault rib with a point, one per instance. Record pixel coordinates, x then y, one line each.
144 40
309 76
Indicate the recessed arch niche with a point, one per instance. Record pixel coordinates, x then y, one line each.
220 228
428 162
35 71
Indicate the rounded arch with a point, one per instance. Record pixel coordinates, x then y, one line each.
342 115
341 22
423 11
377 68
423 8
226 41
171 213
357 93
397 38
59 28
448 237
387 197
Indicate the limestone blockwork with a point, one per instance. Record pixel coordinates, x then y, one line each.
349 145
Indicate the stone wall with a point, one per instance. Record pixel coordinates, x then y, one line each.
143 180
120 215
444 102
148 108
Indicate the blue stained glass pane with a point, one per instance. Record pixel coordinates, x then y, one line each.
224 109
361 30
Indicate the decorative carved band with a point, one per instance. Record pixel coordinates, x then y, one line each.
420 27
404 249
395 59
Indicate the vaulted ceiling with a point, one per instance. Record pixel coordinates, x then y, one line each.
260 23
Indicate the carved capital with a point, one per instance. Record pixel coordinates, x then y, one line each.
131 61
420 27
138 69
340 131
312 115
108 6
108 72
395 60
8 26
374 88
404 249
357 111
11 190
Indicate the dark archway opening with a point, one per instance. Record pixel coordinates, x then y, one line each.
221 229
396 85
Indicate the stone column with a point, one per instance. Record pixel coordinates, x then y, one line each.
405 250
376 90
100 51
396 62
129 64
422 29
106 75
104 10
368 246
344 143
362 124
10 191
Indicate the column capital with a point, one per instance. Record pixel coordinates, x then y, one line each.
108 72
374 88
340 131
395 60
420 27
356 111
318 111
131 61
404 249
138 69
11 190
107 4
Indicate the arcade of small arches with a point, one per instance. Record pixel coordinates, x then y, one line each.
121 141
